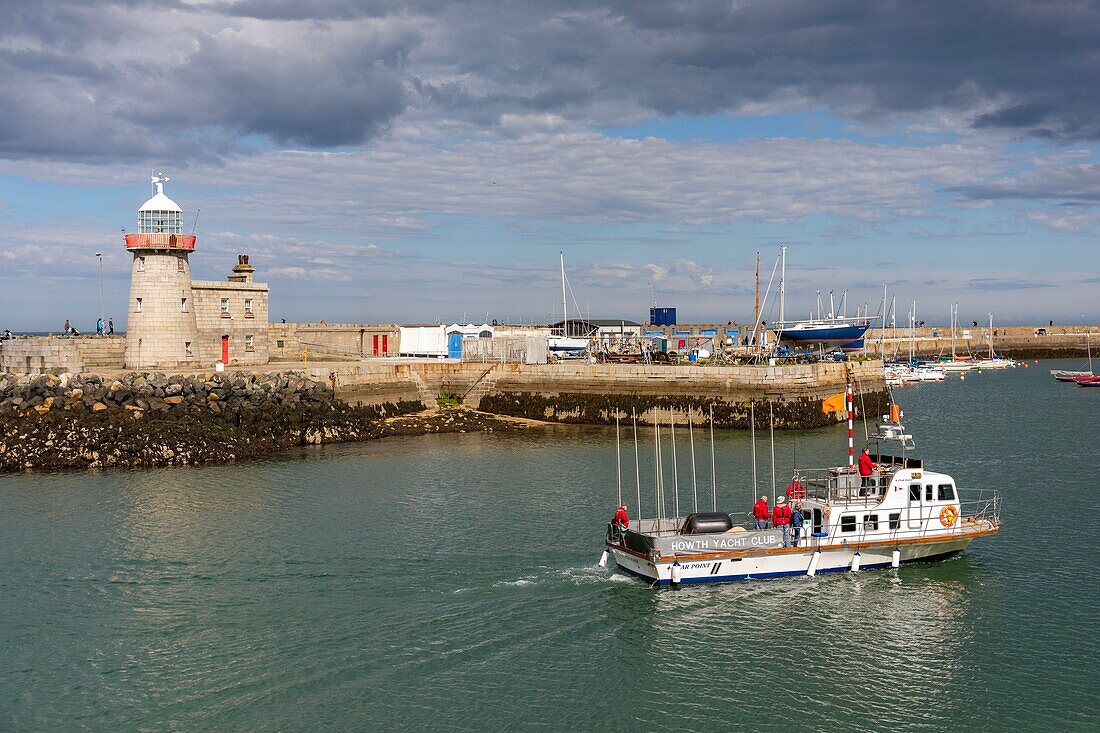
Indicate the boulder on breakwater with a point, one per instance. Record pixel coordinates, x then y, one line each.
152 419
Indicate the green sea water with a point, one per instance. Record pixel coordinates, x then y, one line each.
449 583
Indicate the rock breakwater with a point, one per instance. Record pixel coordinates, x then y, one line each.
142 419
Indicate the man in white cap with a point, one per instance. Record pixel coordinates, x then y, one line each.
781 518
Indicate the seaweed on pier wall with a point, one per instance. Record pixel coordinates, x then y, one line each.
579 408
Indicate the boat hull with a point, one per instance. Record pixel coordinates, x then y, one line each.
824 334
786 563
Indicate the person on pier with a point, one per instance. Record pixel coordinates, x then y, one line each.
761 513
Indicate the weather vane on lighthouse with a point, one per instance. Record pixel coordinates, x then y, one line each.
158 180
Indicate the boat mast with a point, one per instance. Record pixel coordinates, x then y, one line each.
755 336
990 335
713 471
954 315
912 329
637 467
782 282
752 439
694 483
771 430
618 462
564 303
675 473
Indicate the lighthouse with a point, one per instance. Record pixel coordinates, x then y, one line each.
160 323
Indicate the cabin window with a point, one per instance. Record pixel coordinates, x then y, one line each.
928 492
870 522
895 520
914 492
848 523
945 492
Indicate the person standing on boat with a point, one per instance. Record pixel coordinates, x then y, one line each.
797 520
761 512
866 467
795 490
781 518
621 520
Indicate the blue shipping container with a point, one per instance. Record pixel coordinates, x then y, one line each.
662 316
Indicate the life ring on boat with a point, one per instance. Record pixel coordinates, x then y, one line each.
948 515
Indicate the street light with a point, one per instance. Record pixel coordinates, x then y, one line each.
99 255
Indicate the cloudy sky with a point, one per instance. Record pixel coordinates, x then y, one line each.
418 160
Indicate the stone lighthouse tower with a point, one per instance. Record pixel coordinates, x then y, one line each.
160 323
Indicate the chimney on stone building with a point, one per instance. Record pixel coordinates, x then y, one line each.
242 271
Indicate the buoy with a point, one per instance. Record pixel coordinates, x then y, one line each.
812 570
677 572
855 563
1025 365
603 559
962 376
895 558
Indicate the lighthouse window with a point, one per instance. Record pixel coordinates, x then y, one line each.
179 264
248 341
870 522
141 264
946 492
248 305
225 305
183 305
187 347
137 308
848 523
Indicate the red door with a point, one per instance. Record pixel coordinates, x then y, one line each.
225 350
376 344
385 344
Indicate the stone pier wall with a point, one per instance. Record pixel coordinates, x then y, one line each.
591 393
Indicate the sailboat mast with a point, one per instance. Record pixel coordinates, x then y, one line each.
990 335
782 282
756 320
564 302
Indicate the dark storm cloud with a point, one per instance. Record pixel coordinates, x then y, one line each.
110 79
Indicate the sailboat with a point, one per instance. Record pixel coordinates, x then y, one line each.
1065 375
825 332
955 364
564 344
993 361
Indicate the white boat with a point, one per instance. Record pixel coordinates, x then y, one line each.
563 344
904 513
1069 375
993 361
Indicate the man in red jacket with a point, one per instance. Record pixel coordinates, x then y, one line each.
621 520
781 516
761 513
866 467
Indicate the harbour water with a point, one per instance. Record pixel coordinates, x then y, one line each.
449 583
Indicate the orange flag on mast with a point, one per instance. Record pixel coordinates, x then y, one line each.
834 403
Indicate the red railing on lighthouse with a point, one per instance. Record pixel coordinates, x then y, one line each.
161 240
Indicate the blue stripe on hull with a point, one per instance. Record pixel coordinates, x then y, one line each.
784 574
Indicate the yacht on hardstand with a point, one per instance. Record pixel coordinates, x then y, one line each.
904 512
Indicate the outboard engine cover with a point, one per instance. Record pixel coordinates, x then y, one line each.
707 523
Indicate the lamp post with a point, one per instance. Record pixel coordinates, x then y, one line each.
99 256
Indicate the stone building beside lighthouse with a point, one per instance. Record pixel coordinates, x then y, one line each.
176 322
